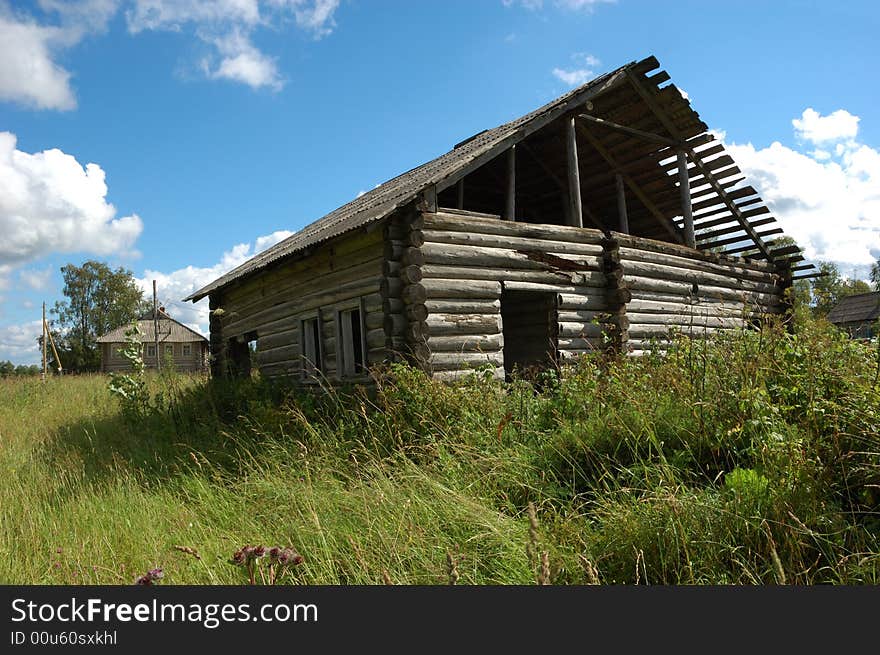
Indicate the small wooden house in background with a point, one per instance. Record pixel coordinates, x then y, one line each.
608 219
185 348
857 315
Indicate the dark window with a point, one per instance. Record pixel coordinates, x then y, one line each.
311 346
351 350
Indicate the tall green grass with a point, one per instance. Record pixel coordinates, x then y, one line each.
752 459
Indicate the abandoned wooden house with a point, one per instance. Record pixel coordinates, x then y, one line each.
857 315
606 219
178 345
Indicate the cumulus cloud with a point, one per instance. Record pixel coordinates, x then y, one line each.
828 199
241 62
18 342
836 126
29 74
50 203
35 279
174 286
228 26
583 72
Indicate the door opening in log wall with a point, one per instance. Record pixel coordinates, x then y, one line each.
529 324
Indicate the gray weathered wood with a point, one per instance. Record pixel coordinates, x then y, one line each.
685 195
621 203
574 182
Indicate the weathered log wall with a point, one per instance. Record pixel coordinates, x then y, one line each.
468 261
431 286
270 305
674 289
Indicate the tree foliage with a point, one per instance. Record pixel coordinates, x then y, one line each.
97 299
831 287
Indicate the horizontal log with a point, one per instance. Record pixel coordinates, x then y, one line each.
449 324
415 239
685 320
581 315
554 288
392 306
705 291
441 288
411 274
412 257
373 320
582 301
466 343
460 223
574 354
565 278
394 324
512 242
391 287
376 356
643 330
446 361
665 272
587 330
459 375
580 343
390 268
625 241
414 294
456 306
416 312
505 258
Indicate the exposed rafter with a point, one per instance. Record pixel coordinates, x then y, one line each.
637 192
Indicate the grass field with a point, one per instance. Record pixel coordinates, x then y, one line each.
752 460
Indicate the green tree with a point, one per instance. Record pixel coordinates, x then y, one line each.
830 287
875 274
97 299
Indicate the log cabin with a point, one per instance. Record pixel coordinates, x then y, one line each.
177 345
609 219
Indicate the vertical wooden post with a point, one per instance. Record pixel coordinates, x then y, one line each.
459 187
685 191
44 342
574 177
621 203
156 327
510 207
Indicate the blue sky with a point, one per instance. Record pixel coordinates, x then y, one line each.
176 137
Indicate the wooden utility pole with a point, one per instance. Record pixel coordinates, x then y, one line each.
156 326
44 342
510 205
621 203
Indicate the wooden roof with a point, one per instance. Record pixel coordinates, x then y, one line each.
627 123
864 307
170 331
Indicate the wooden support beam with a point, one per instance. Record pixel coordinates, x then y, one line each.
574 181
510 207
459 188
630 130
560 184
685 189
701 167
668 225
621 203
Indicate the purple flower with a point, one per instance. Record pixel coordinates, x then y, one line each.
144 580
156 574
258 551
239 557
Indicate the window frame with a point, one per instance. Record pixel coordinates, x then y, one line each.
186 350
347 365
310 368
150 350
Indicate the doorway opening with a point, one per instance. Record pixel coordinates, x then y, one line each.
531 336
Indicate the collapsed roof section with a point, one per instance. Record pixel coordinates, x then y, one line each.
632 136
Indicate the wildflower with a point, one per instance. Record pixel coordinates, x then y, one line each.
258 552
239 557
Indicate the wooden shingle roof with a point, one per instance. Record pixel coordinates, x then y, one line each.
856 309
170 331
726 212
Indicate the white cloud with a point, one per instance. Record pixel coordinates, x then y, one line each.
37 280
29 74
836 126
242 62
50 203
828 202
583 72
18 343
174 286
228 27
